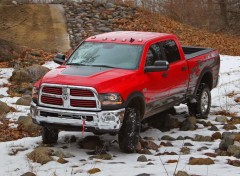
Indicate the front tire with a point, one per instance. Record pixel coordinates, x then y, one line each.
201 108
49 136
129 133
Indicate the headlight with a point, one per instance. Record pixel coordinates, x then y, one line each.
110 99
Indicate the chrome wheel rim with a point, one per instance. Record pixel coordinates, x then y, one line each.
204 101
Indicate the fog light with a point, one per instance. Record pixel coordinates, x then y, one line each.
108 117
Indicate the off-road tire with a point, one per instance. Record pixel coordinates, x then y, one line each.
49 136
201 108
129 133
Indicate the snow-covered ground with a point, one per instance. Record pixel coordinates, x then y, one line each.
126 164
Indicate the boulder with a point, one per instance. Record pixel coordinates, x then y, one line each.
201 138
28 174
4 109
29 74
229 127
168 138
41 155
62 161
222 119
189 124
91 142
228 139
235 163
234 150
142 158
25 100
27 125
94 171
216 135
214 128
182 173
200 161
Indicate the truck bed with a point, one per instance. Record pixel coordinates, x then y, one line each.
191 52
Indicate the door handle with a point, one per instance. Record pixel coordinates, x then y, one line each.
184 68
164 74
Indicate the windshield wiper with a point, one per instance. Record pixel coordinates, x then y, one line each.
107 66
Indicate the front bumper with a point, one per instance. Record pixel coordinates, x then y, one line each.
102 121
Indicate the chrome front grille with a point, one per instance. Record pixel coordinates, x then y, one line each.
69 97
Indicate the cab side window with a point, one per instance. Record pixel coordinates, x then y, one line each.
171 51
154 54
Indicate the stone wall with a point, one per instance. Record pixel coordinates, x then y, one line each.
91 17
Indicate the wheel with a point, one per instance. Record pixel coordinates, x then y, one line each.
201 108
128 135
49 136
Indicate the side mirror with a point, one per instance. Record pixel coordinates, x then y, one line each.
59 59
158 66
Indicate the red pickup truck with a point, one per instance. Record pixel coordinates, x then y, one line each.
112 81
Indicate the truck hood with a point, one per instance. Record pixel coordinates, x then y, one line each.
101 78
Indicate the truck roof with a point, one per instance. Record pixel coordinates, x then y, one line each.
127 37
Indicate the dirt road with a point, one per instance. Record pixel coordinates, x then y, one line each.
40 26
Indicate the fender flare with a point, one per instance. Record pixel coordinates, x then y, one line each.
204 71
139 95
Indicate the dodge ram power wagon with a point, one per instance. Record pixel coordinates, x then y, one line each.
112 81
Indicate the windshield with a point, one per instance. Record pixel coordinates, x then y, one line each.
106 55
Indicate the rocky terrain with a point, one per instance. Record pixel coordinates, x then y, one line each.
171 143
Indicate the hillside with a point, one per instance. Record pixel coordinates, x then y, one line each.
188 35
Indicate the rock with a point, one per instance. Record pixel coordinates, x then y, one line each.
104 156
29 74
91 142
168 138
214 128
201 138
143 174
229 127
222 119
41 155
152 146
182 173
166 144
62 161
4 109
221 152
226 141
189 124
59 153
28 174
170 123
28 126
142 158
200 161
211 154
94 170
202 148
25 100
187 144
216 135
234 150
234 162
180 138
144 151
185 150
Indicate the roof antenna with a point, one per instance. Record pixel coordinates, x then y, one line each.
131 40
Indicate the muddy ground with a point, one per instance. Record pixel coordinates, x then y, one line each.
37 26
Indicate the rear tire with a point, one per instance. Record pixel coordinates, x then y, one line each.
201 108
49 136
129 133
